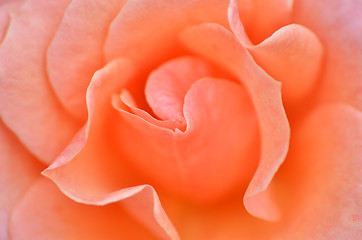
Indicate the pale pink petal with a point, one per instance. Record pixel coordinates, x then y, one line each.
76 51
166 86
147 29
293 56
18 169
27 104
322 176
338 24
46 213
6 7
220 45
90 171
191 160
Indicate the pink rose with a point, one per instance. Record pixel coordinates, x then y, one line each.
148 119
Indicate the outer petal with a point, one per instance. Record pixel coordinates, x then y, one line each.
18 169
6 7
45 213
221 46
322 176
90 171
27 105
291 55
76 51
338 26
156 23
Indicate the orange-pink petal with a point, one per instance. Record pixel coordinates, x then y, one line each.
166 86
76 51
322 176
221 46
18 169
28 106
292 55
91 172
216 112
46 213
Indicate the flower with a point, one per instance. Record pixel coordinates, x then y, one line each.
212 119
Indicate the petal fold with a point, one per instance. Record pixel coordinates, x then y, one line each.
28 106
219 45
45 213
91 172
76 51
18 169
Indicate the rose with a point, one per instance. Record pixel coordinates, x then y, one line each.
66 47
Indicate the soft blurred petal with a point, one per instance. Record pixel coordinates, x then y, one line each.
18 169
322 178
27 104
338 24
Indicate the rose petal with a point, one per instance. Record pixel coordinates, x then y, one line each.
190 160
293 56
323 176
338 26
45 213
6 7
76 51
166 87
18 169
221 46
27 105
260 18
89 170
138 21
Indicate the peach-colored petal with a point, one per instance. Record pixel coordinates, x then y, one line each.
322 175
76 51
6 7
18 169
190 160
90 171
259 18
147 29
221 46
46 213
293 56
166 87
27 104
338 26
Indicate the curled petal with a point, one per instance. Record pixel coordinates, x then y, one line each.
221 46
89 171
167 86
76 51
293 56
23 82
58 217
191 159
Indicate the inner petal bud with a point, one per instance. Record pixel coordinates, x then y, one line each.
166 87
217 150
